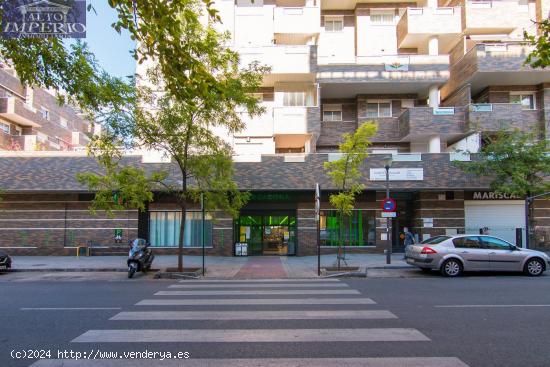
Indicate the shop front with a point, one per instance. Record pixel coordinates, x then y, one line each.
271 232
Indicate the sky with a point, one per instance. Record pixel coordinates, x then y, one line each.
111 49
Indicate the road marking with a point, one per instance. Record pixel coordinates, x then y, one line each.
68 308
254 315
261 285
311 280
260 292
484 306
250 335
272 362
256 301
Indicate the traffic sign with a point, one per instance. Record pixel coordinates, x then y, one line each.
389 205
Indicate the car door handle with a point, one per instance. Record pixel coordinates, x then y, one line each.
464 252
492 253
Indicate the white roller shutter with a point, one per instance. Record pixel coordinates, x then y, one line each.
501 217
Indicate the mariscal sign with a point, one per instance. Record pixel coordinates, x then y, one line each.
44 18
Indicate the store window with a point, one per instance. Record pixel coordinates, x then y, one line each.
332 112
527 100
359 229
164 229
379 109
334 24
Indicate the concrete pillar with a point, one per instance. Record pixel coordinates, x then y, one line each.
434 144
434 96
433 46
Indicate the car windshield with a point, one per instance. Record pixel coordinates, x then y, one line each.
435 240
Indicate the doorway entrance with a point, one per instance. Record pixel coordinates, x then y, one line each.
272 233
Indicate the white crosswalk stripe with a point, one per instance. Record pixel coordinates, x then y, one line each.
263 301
260 285
294 292
258 315
256 301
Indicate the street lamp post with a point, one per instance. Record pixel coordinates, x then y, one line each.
388 233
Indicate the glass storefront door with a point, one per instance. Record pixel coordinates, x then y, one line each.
267 234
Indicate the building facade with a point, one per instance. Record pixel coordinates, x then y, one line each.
436 76
31 119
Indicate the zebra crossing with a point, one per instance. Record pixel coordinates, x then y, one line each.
310 301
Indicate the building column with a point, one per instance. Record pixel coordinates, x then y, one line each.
434 145
434 96
433 46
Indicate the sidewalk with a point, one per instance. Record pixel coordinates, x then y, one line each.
217 267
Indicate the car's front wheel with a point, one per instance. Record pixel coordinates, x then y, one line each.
451 268
533 267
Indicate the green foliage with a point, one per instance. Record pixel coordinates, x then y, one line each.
540 56
516 161
345 172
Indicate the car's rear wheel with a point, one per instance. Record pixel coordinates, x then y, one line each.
533 267
451 268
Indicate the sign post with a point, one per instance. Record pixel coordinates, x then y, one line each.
202 231
389 207
318 221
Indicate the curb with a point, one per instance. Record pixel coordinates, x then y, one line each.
73 270
392 267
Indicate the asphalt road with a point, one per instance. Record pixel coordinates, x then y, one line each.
428 321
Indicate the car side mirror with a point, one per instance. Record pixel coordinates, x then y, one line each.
514 248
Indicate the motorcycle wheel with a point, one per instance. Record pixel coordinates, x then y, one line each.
131 271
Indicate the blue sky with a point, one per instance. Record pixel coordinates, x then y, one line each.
110 48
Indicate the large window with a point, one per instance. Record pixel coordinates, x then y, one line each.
378 109
359 229
527 100
164 229
299 99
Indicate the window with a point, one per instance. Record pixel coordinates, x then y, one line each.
63 122
467 242
526 100
385 17
45 113
298 99
334 24
359 229
5 127
332 112
378 109
434 240
493 243
164 229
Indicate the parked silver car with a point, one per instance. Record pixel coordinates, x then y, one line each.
452 255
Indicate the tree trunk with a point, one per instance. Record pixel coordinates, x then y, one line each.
181 236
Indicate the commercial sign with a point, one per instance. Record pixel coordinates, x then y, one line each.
44 19
490 195
397 174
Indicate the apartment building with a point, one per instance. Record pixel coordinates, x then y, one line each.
437 76
31 119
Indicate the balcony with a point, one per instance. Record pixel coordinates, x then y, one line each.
417 25
498 116
494 64
11 142
15 110
297 20
360 74
421 122
261 125
290 120
495 16
282 59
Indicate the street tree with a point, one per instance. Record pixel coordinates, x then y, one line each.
517 162
346 175
540 56
181 119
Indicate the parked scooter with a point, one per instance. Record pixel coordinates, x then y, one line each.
140 257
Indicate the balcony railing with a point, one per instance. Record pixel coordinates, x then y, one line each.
417 24
290 120
299 20
499 16
424 121
498 116
283 59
